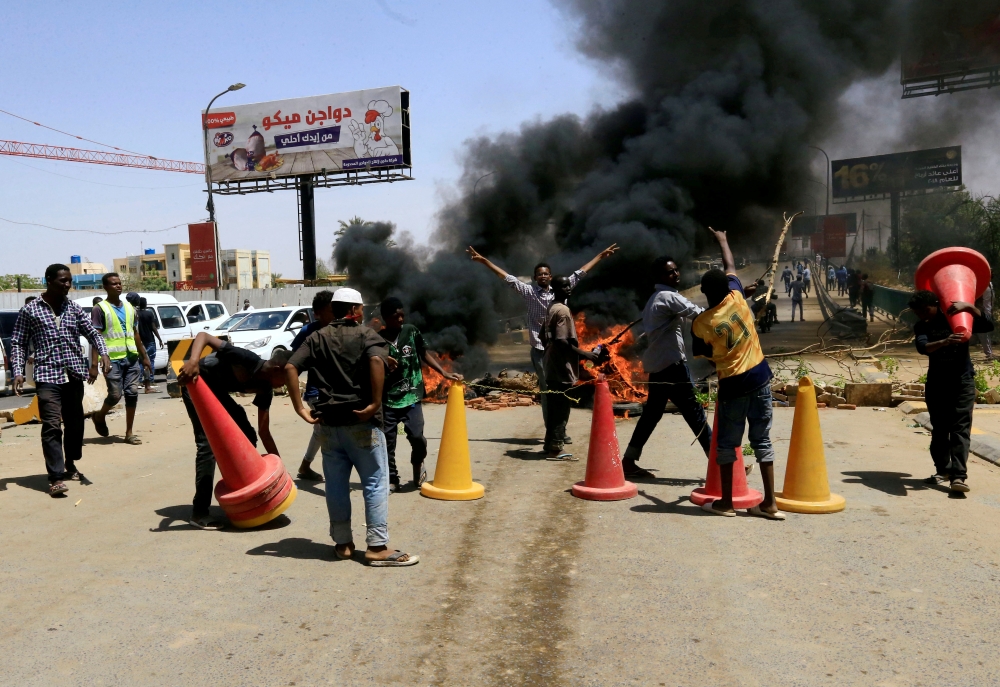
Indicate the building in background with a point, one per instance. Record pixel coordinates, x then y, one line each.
178 257
246 269
86 275
149 264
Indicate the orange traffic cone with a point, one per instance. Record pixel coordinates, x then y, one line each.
807 487
453 472
605 479
254 489
954 274
743 495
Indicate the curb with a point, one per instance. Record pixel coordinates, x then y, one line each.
984 446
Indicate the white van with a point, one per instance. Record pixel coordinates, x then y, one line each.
203 315
173 324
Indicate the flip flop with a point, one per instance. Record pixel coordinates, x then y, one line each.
562 457
206 522
310 475
102 426
133 439
756 510
343 558
393 561
707 507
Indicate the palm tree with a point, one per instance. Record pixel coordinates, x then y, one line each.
352 221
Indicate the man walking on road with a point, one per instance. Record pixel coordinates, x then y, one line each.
797 287
115 319
537 298
663 320
52 326
786 276
806 280
149 332
348 361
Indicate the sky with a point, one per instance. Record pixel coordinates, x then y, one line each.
136 75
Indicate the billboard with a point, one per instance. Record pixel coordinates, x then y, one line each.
950 40
319 134
201 238
920 170
827 233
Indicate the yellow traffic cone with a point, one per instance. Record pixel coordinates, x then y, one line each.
807 487
453 474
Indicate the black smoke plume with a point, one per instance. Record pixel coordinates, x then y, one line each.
726 98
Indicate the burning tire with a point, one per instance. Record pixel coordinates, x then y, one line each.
633 409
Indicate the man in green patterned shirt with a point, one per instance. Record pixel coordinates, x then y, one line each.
404 389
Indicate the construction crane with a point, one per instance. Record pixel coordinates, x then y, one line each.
47 152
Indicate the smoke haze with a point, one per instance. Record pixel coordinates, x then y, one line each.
725 99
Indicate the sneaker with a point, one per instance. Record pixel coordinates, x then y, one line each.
936 479
960 486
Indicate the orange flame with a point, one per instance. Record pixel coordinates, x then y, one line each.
624 374
435 385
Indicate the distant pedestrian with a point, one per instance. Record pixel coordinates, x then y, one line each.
349 360
537 298
951 387
149 332
841 280
52 326
404 389
831 277
664 320
853 286
786 276
725 334
115 319
867 292
797 287
806 280
246 305
561 366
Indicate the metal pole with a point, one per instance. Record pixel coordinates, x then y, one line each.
208 181
827 176
894 226
307 213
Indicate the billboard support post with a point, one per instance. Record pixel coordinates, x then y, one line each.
307 227
894 215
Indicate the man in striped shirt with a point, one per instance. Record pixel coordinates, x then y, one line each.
52 326
538 297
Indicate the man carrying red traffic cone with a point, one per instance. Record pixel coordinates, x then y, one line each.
228 370
725 333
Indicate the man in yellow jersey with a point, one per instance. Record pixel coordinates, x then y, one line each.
726 334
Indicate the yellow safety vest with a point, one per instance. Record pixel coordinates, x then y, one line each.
120 343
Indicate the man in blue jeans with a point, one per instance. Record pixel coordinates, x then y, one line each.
346 361
726 334
149 332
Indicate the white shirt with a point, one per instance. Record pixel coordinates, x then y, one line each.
662 318
248 308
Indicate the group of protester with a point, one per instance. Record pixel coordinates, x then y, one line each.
850 282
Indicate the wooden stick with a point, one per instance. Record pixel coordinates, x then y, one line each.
774 262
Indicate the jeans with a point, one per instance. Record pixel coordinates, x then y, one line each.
788 286
670 384
537 356
852 294
799 304
61 403
867 310
806 285
756 408
314 441
950 402
147 377
412 418
841 288
123 379
204 461
557 417
360 446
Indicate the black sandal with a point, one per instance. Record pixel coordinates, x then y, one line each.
102 427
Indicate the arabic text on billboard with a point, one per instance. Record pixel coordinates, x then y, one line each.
201 238
342 131
948 39
920 170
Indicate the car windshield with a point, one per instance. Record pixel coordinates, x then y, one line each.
230 322
171 316
257 321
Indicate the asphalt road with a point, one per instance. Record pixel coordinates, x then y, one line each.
528 586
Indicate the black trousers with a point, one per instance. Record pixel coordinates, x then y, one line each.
678 389
60 407
950 402
557 417
412 418
204 461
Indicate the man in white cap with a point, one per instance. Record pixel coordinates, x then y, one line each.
346 362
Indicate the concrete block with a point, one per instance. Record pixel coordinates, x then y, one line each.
912 407
868 394
94 395
778 397
986 447
847 406
831 400
993 396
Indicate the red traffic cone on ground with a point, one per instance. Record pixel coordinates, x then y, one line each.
954 274
254 489
605 479
743 495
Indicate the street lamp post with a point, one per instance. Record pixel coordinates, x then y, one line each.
827 176
480 179
208 180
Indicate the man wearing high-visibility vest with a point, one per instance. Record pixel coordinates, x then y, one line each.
115 320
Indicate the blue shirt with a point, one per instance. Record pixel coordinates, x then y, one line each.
120 311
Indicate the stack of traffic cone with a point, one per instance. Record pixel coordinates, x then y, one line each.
254 489
955 274
743 495
605 478
453 474
807 487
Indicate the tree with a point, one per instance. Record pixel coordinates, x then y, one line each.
8 282
156 283
275 284
352 221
